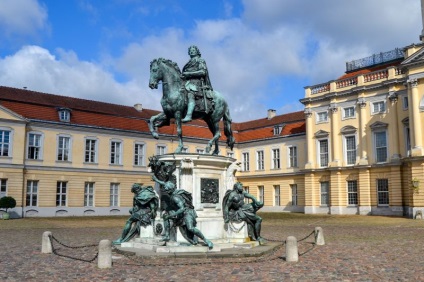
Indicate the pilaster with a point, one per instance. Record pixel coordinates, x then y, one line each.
417 149
335 148
364 191
309 138
394 127
362 104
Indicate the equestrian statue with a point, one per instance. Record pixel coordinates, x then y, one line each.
189 95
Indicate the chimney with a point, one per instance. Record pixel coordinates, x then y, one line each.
271 112
138 107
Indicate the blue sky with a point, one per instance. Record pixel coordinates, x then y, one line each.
260 53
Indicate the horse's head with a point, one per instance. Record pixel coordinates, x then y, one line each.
162 69
155 74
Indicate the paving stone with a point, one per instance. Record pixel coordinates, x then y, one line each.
350 253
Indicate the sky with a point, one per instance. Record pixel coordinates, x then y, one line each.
260 53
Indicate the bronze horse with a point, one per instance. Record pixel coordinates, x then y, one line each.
174 104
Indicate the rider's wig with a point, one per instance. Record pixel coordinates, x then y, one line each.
195 48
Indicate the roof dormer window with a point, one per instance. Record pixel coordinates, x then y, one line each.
64 114
278 129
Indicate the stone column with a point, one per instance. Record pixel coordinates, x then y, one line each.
309 139
363 148
415 105
394 127
335 143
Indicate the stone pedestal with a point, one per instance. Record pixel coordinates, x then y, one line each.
207 178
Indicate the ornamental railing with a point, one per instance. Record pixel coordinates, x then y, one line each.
375 59
320 88
347 82
376 75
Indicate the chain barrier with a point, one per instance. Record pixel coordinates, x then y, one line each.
312 243
54 250
303 239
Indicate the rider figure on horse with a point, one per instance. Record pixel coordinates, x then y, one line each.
195 72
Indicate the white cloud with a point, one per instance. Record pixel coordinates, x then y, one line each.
22 17
37 69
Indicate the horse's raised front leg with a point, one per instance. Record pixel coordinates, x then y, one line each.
156 121
179 132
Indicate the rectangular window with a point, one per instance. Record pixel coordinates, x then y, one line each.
293 156
160 150
4 143
350 150
325 199
114 194
275 158
378 107
90 150
230 154
408 141
34 146
200 151
323 153
293 188
63 148
322 117
31 193
380 146
261 193
139 154
61 194
276 195
115 152
405 102
260 160
383 192
64 115
245 159
277 129
3 188
89 194
184 150
352 192
349 112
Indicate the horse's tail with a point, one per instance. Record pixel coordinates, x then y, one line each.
227 128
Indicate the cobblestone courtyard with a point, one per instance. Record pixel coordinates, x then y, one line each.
358 248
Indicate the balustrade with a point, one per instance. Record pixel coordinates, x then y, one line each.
320 88
347 82
376 75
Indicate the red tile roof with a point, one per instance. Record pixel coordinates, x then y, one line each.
41 106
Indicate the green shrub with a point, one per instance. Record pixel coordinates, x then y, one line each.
7 203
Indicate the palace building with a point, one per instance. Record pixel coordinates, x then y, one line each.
357 148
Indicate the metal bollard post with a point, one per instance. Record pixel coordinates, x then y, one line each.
319 236
292 254
104 260
46 244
